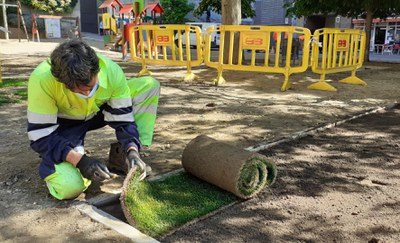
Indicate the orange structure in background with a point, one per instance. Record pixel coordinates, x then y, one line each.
35 31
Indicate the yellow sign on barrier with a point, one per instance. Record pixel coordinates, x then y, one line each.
342 43
163 38
163 45
273 49
251 40
342 50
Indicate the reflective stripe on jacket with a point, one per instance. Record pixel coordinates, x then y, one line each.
49 101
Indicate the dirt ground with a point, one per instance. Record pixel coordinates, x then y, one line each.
341 186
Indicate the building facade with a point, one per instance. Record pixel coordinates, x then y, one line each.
385 31
272 12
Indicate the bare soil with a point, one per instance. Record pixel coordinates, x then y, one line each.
341 186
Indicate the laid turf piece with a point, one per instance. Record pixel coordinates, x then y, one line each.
157 207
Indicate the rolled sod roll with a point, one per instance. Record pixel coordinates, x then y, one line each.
235 170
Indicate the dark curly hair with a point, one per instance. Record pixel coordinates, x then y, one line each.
74 63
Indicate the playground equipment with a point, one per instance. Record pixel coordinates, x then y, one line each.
118 19
141 19
126 24
20 18
154 9
109 21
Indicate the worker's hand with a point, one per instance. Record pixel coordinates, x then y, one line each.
93 169
134 159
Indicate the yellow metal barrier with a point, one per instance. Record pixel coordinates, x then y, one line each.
342 50
152 42
274 49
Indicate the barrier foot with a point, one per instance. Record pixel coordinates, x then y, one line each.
190 77
219 80
353 80
144 72
322 85
286 85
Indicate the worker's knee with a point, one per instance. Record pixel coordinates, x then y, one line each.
67 182
143 83
149 81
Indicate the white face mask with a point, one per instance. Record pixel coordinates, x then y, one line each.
90 95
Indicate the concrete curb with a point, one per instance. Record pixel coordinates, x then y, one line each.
113 223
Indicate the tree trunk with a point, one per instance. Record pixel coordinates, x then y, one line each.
368 29
231 15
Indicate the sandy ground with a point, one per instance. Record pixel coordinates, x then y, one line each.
249 109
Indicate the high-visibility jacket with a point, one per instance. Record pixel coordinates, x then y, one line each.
275 36
50 104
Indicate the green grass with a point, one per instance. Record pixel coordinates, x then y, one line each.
160 206
21 94
13 83
4 100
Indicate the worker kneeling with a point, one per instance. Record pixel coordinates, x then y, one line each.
76 91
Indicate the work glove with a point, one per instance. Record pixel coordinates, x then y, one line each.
133 159
93 169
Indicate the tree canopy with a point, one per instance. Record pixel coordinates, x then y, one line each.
215 6
354 8
176 11
367 9
52 6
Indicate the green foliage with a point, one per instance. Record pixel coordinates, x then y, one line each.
176 11
52 6
367 9
13 83
215 6
160 206
378 8
4 99
21 94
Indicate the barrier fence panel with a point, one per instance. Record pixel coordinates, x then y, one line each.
162 45
341 50
272 49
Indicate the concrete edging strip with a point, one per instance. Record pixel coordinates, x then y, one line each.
114 223
313 130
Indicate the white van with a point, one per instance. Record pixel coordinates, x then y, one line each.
203 26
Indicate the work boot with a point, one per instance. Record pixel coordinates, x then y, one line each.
117 159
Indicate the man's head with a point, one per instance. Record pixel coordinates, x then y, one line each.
75 64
